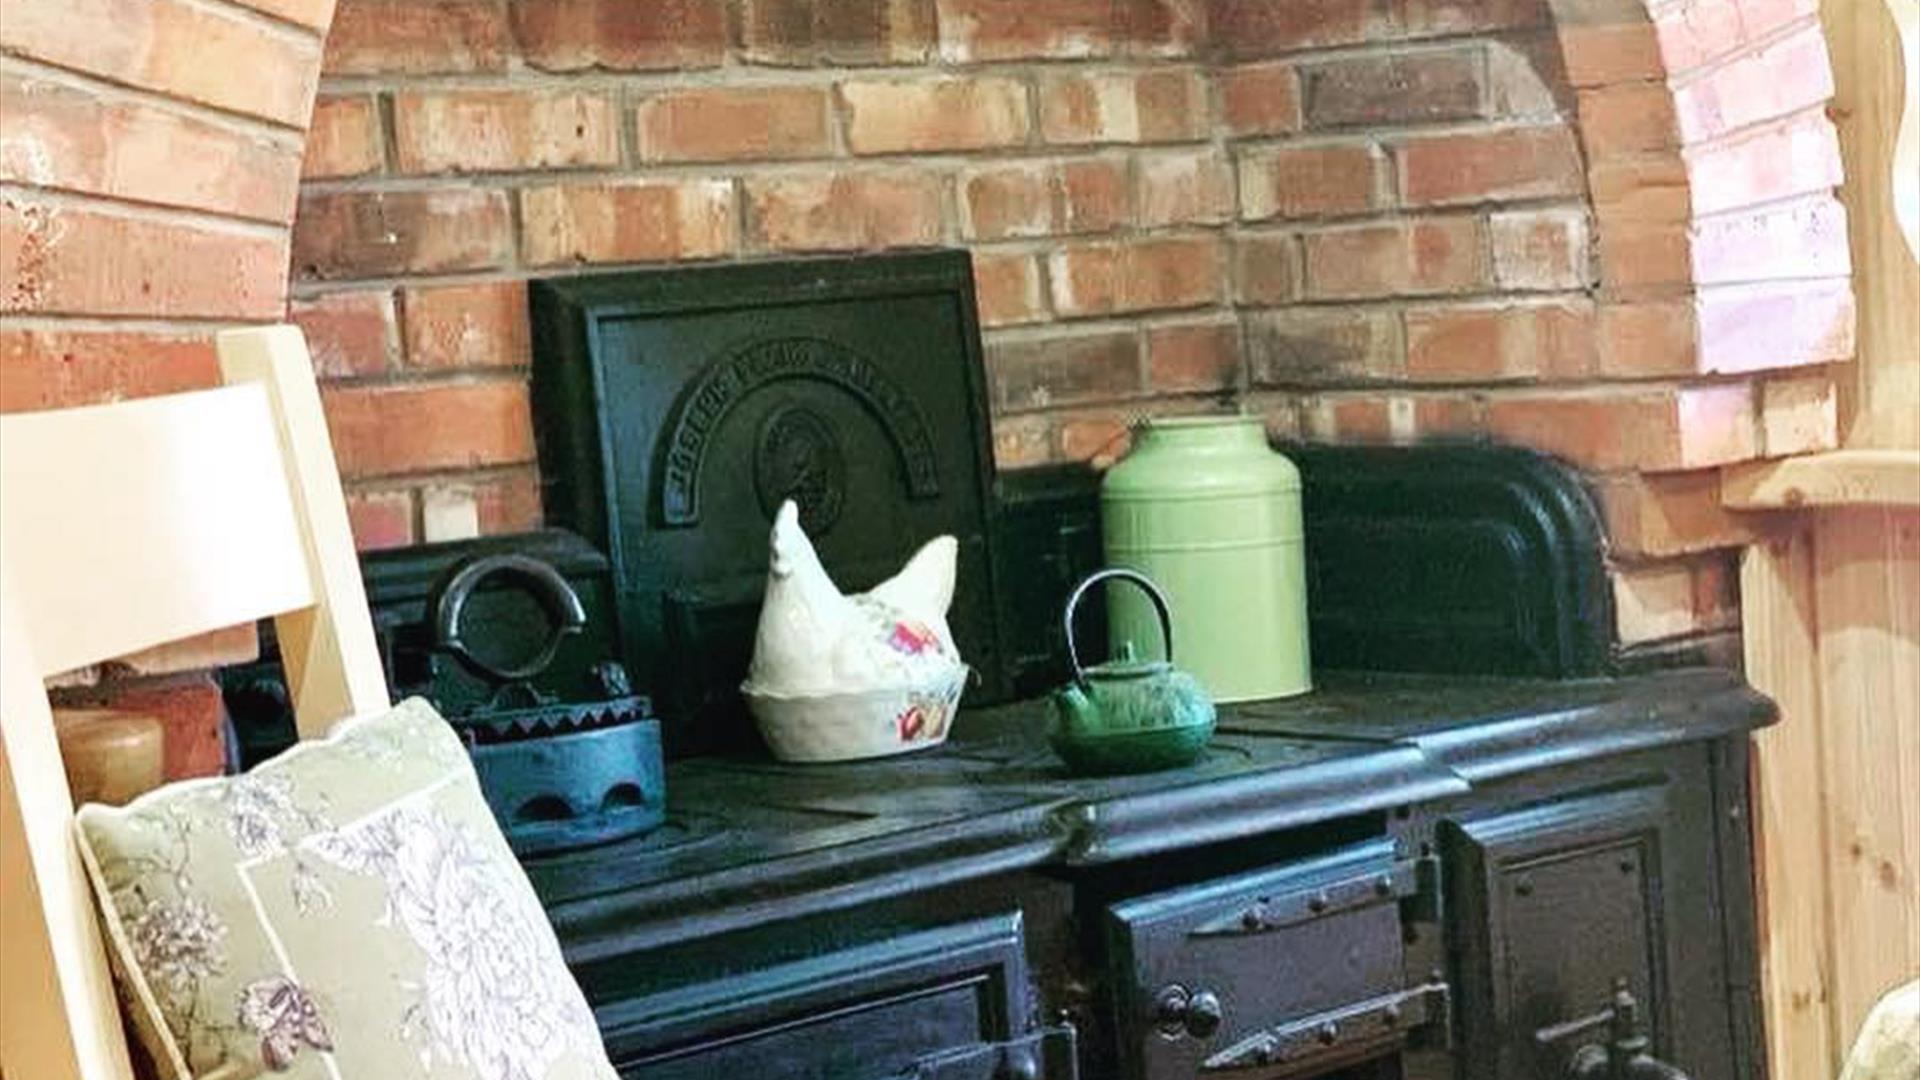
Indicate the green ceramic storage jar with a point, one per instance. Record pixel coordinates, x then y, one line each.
1204 507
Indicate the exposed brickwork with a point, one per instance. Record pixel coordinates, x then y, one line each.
1602 231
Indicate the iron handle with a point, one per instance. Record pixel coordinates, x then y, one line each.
448 603
1313 1042
1624 1056
1116 573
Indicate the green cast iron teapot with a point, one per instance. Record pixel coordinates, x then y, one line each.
1129 715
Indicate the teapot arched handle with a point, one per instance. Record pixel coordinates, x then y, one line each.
1116 573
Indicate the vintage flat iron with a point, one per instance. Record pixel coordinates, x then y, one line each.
557 775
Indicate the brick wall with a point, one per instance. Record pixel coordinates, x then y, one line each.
1605 229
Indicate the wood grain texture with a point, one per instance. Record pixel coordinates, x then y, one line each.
1836 478
1776 592
1875 49
1867 577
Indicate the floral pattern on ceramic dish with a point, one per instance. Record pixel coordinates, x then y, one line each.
345 907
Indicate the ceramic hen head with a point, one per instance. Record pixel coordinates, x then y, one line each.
813 639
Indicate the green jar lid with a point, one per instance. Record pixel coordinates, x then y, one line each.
1200 457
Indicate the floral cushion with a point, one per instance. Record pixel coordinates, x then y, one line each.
347 911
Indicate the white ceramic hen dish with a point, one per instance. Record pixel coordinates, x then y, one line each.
859 724
837 677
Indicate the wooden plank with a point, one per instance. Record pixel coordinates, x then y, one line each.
1776 593
1836 478
61 1021
93 499
332 662
1867 581
1873 108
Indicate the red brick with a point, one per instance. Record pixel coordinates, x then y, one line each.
1318 346
1799 239
483 325
1257 28
1628 118
1799 414
1663 514
1598 54
1539 249
1008 200
55 135
503 130
1655 602
343 139
895 116
1099 438
508 502
777 32
203 53
1164 28
1402 258
1184 187
312 14
349 333
620 35
1784 77
1396 88
1309 181
1641 188
56 368
732 123
1526 79
1798 156
1517 163
1167 105
1653 429
1349 418
1007 289
844 210
346 234
1449 416
1490 342
1022 441
382 519
972 31
189 708
1260 99
626 221
855 32
1638 256
1141 275
1425 18
51 263
1094 196
416 37
1692 34
394 429
1059 368
1193 357
1652 337
1264 268
1751 328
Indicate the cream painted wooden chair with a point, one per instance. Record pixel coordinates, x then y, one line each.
123 527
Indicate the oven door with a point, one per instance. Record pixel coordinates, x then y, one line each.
1290 972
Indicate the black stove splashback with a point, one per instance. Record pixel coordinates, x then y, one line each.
675 410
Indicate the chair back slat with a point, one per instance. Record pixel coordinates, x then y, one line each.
127 526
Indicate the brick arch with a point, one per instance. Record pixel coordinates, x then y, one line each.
1711 166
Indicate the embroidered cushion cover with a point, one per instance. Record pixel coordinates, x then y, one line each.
347 911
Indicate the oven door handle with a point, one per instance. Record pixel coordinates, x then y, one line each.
1349 1032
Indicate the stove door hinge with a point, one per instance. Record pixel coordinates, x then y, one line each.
1414 883
1312 1044
1047 1054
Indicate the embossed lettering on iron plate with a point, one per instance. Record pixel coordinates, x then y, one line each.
798 457
727 381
